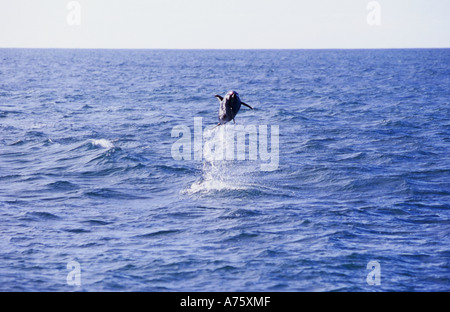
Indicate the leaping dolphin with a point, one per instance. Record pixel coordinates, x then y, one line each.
229 107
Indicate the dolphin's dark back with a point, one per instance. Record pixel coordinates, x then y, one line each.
225 111
236 105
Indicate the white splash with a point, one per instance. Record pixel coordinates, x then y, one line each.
103 143
219 174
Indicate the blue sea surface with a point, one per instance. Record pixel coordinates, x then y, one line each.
87 172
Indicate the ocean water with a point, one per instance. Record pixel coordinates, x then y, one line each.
88 174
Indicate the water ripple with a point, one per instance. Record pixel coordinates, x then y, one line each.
87 174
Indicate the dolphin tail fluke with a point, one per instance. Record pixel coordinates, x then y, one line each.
246 105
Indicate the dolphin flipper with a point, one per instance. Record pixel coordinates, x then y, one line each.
220 98
246 105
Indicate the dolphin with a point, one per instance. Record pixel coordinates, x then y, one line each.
229 107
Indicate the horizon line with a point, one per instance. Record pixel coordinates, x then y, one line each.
231 49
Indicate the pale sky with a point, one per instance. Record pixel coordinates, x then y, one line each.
225 24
